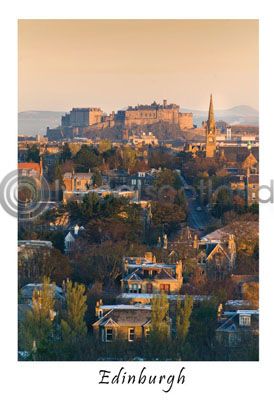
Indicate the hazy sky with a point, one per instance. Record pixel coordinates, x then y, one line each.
115 63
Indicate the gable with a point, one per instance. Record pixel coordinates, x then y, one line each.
217 249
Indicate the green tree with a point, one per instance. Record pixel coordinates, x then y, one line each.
183 314
36 330
97 178
129 157
33 154
160 326
66 153
87 158
73 325
168 177
223 202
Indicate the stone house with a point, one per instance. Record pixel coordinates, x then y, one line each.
238 327
122 322
145 275
216 257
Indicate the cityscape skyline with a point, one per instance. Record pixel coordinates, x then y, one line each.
130 59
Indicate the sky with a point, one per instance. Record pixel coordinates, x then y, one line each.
115 63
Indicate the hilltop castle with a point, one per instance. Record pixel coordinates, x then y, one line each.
79 121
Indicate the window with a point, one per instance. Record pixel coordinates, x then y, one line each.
149 287
131 334
165 288
109 335
135 288
233 339
147 333
245 320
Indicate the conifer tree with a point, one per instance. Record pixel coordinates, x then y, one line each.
160 326
73 325
183 315
37 328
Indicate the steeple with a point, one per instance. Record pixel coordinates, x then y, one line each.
210 132
211 120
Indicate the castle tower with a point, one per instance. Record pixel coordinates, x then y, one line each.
210 132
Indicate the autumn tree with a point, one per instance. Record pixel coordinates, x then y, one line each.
251 293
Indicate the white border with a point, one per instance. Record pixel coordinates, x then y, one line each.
79 380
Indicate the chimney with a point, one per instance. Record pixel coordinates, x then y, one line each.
126 266
164 103
219 311
165 240
149 256
231 244
196 242
179 269
98 311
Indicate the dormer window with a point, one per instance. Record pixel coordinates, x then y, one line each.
245 320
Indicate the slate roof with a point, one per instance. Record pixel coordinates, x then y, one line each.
239 154
138 275
231 324
78 175
27 291
125 317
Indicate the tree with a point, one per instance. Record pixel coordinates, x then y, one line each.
129 158
104 145
73 325
33 154
251 293
66 153
97 179
183 315
168 177
223 202
87 157
51 263
160 328
36 330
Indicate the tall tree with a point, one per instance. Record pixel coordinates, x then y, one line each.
36 330
183 314
73 325
159 319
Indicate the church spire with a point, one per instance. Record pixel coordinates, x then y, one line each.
211 120
210 131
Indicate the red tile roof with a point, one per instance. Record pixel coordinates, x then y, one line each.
29 165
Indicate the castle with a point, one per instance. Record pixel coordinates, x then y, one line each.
80 121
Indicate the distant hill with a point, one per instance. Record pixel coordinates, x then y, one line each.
34 122
239 115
